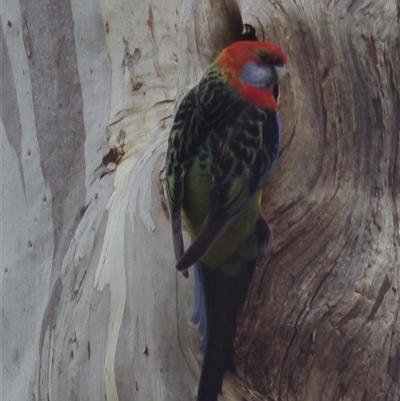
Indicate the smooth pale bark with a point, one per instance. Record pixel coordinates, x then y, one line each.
91 305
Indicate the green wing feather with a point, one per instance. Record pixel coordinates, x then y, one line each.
219 139
178 159
225 142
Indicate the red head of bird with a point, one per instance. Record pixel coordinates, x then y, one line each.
254 69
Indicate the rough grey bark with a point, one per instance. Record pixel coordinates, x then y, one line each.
322 319
91 305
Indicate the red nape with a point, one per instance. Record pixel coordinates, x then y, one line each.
232 61
234 57
247 48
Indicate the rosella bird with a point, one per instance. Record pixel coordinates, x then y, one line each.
223 145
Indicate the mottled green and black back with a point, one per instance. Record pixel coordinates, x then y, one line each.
222 141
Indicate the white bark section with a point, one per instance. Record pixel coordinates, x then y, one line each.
84 336
142 121
26 231
94 73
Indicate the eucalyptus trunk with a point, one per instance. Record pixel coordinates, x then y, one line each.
92 307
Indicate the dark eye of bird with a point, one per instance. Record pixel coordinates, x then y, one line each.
264 57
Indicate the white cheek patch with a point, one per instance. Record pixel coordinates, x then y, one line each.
260 76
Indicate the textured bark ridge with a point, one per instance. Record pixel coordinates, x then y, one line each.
322 318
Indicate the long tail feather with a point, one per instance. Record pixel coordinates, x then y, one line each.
199 315
223 296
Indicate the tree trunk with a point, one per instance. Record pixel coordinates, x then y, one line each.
92 307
